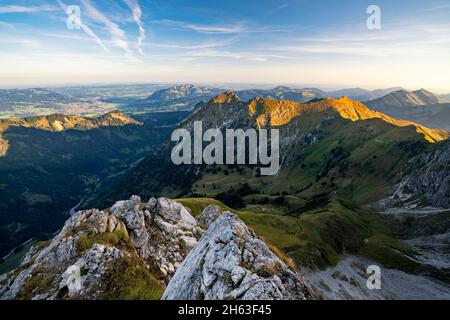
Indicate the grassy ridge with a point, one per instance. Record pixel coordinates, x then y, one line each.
320 237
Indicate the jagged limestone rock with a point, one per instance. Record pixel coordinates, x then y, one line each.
94 264
77 260
134 219
51 262
208 216
172 234
230 262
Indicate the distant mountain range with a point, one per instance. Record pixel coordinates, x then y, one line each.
182 97
404 98
360 94
283 93
30 96
445 96
95 100
180 92
187 96
17 101
420 106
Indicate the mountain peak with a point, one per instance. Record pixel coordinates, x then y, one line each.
405 98
183 91
345 99
118 116
281 112
423 90
259 99
282 88
226 97
186 85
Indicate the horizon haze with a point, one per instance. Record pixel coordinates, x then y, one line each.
326 44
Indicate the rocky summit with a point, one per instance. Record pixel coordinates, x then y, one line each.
134 250
157 235
230 262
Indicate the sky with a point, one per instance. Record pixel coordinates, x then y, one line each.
321 43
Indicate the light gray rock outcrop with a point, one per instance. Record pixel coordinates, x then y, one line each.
94 264
230 262
48 264
208 216
77 259
83 260
172 233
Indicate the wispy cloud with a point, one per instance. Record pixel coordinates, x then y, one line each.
392 41
116 33
236 28
228 55
195 46
137 16
350 50
438 8
199 27
29 43
5 25
277 9
86 29
213 29
24 9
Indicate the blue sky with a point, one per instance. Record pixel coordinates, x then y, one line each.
324 43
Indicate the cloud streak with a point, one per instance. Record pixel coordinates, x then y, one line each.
203 45
137 16
237 28
116 33
29 43
86 29
24 9
220 55
393 41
